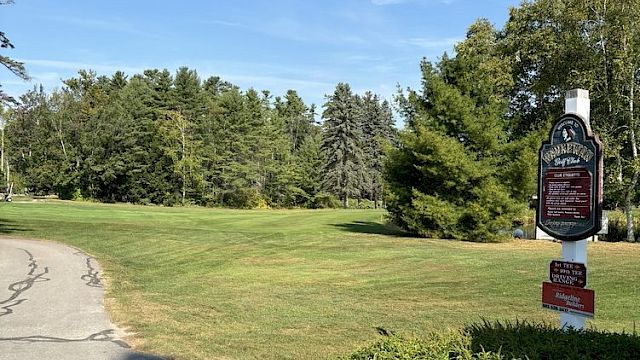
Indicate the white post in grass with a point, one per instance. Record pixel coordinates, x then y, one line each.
577 102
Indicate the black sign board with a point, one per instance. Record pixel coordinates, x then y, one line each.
570 181
568 273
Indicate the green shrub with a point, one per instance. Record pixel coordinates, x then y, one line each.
246 198
519 340
325 201
618 226
361 204
523 340
453 345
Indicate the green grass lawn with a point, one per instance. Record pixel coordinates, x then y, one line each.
204 283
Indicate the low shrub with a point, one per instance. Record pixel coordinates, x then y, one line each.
452 345
246 198
361 204
519 340
618 226
523 340
325 201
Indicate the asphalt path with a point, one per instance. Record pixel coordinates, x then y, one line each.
51 305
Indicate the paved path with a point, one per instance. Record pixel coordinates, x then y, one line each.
51 305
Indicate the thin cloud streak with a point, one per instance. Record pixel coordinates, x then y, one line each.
430 43
105 25
73 65
398 2
290 29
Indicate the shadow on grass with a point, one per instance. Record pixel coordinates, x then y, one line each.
523 340
9 227
369 227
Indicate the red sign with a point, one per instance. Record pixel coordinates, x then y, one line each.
568 299
568 273
567 194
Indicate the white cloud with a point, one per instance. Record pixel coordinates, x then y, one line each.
107 25
396 2
292 29
388 2
224 23
74 65
269 82
431 43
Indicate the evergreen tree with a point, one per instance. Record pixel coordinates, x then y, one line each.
14 66
378 133
444 179
344 165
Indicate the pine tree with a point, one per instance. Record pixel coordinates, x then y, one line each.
378 134
344 166
444 179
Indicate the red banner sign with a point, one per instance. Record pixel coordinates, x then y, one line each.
568 299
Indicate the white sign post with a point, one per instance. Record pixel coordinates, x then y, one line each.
577 102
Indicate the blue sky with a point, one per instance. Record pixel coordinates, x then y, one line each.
274 45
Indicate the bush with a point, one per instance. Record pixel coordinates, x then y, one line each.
325 201
520 340
618 226
523 340
453 345
361 204
246 198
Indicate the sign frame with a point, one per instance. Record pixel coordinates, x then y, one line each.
562 228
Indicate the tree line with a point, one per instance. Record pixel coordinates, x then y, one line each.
158 138
464 165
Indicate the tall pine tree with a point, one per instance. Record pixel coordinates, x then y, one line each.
344 168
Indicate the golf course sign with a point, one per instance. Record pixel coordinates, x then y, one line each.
570 181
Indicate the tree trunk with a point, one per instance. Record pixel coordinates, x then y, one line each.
182 169
345 201
628 205
2 159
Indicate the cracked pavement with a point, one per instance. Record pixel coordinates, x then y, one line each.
51 305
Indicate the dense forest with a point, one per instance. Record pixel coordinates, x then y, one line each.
463 166
163 139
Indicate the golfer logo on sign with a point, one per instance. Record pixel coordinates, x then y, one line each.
568 134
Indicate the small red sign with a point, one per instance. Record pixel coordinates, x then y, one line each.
568 299
568 273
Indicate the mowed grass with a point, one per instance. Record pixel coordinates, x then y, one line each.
197 283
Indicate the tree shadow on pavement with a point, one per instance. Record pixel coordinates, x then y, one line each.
369 227
141 356
9 226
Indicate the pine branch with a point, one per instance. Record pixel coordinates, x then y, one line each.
16 67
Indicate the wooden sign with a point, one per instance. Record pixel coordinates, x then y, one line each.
569 299
568 273
570 181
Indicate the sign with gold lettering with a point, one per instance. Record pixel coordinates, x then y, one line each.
570 181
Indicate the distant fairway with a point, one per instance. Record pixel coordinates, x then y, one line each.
200 283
